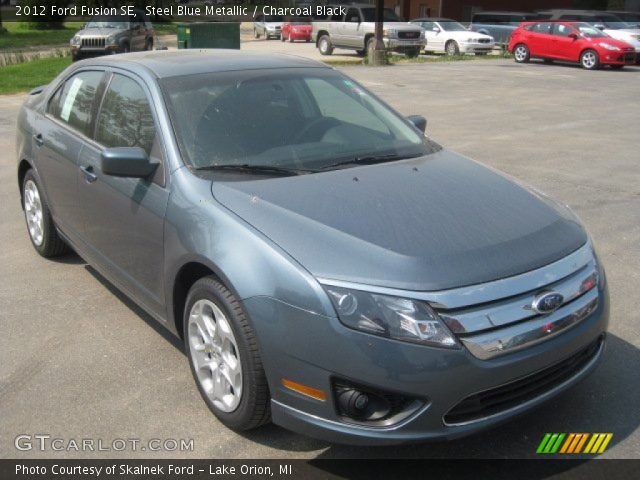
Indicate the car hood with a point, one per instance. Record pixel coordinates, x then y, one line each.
437 222
616 42
99 32
466 34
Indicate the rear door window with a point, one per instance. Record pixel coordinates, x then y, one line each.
74 101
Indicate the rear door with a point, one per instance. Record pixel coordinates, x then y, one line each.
61 134
540 39
124 217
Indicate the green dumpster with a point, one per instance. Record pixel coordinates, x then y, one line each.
209 35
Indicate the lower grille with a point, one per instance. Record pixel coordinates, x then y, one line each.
505 397
629 57
483 40
93 42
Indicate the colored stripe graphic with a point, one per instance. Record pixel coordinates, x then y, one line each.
573 443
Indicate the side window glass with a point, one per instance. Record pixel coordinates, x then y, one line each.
73 102
544 28
561 30
353 16
125 119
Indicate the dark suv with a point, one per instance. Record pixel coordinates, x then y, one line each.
108 34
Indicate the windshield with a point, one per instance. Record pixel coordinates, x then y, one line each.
612 22
109 21
369 15
589 31
303 119
452 27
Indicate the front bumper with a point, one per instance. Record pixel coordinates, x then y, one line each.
618 58
78 51
397 43
300 35
476 47
314 350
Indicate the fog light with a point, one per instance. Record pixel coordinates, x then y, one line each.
364 405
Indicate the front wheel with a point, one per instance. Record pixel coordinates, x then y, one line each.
521 53
42 230
452 48
224 358
412 52
590 60
324 45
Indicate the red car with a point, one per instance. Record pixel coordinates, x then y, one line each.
569 41
296 29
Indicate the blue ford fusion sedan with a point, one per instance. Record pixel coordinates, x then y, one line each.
328 267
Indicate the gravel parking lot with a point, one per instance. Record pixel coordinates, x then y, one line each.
78 360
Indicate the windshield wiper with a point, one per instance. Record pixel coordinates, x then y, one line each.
266 169
368 160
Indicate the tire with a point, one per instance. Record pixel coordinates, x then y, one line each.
451 48
521 53
42 231
125 48
616 67
148 45
590 60
282 38
412 52
290 40
213 311
324 45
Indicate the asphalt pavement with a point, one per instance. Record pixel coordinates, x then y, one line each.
78 360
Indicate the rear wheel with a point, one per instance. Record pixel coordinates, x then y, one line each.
224 357
590 60
521 53
412 52
42 230
324 45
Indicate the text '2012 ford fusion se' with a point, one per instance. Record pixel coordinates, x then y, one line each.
327 265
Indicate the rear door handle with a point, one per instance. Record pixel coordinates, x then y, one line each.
39 139
89 175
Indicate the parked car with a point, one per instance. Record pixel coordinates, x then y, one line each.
499 25
332 268
297 29
355 30
572 42
108 34
448 36
607 22
267 26
631 18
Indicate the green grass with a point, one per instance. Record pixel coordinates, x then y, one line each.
25 76
18 35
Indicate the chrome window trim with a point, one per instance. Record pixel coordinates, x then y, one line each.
485 292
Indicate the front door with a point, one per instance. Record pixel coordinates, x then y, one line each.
124 217
434 35
563 46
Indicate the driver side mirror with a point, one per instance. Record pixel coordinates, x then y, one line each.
127 162
573 35
435 29
418 121
354 19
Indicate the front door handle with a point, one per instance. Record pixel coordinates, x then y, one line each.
39 139
89 175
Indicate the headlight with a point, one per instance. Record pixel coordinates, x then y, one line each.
392 317
613 48
390 33
270 27
75 40
111 40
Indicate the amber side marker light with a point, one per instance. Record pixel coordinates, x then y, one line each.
304 390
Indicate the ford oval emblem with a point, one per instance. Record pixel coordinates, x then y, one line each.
547 302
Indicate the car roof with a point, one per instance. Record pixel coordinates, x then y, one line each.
170 63
433 19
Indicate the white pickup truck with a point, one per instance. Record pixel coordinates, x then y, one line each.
355 29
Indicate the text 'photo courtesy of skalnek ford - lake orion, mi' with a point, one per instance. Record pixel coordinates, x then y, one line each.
319 238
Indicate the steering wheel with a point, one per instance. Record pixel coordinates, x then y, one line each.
328 122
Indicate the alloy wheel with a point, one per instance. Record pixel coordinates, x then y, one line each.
214 353
520 53
589 60
33 212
